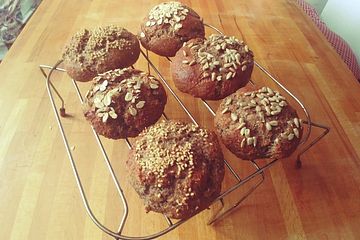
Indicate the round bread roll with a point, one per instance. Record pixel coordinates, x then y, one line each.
168 26
214 68
91 52
176 168
258 124
122 102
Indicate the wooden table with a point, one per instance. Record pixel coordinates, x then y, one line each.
40 200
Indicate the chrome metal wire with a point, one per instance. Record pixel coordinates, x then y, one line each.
258 171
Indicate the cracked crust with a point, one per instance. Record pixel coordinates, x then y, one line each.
251 132
176 168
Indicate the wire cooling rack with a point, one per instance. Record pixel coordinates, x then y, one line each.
258 171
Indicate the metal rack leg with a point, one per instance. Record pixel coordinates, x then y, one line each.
311 144
62 108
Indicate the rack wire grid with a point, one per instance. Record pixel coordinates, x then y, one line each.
258 170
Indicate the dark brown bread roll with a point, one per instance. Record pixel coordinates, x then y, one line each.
176 168
213 68
91 52
122 102
258 124
168 26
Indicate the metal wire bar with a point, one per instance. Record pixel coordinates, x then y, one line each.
109 166
219 214
116 235
171 90
312 143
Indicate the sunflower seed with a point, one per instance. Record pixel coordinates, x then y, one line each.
267 109
254 141
103 85
243 68
132 111
228 101
290 136
258 108
154 86
228 75
142 34
107 100
296 132
140 104
234 117
247 132
113 114
273 123
185 62
243 143
128 96
296 121
105 117
242 131
282 103
249 141
184 53
213 76
268 126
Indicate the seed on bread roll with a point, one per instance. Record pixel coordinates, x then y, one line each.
168 26
122 102
258 124
212 68
91 52
176 168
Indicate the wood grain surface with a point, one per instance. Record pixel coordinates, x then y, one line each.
39 198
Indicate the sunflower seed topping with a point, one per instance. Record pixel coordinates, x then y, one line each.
296 132
132 111
154 86
140 104
297 123
274 123
242 131
243 143
167 12
234 117
128 96
290 136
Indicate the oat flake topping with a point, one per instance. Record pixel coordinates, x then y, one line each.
169 12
